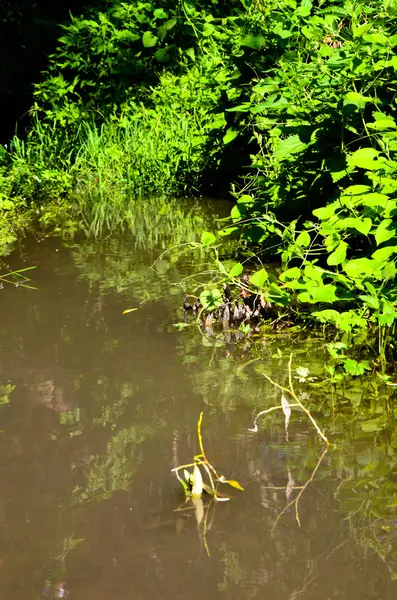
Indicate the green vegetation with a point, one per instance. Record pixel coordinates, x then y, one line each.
290 105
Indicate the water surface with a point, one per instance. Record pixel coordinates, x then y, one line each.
98 407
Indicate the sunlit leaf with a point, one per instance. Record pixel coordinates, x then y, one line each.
197 483
208 238
232 482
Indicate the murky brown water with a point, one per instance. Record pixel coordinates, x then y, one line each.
103 405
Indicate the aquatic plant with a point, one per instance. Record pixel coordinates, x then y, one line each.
192 481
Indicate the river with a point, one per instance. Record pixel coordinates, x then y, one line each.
98 406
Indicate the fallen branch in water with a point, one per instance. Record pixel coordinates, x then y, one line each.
286 407
302 489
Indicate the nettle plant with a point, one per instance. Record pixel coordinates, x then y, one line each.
338 267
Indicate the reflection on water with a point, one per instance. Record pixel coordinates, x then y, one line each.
97 408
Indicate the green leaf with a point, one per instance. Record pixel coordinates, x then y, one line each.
259 278
162 55
165 28
356 99
149 39
370 301
290 274
362 225
383 233
305 8
325 293
253 41
361 29
190 53
211 299
207 238
236 270
325 212
384 253
159 13
352 367
339 255
208 29
235 213
289 146
230 135
303 239
366 158
328 316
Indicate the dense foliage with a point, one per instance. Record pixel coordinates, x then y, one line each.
293 103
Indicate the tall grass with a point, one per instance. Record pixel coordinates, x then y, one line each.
143 155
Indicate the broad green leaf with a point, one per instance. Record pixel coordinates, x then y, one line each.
356 99
370 301
303 239
253 41
366 158
290 274
207 238
235 213
259 278
360 267
211 299
361 29
338 256
159 13
325 293
236 270
383 232
325 212
328 316
190 53
290 145
230 135
362 225
208 29
352 367
165 28
149 39
162 55
305 8
384 253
